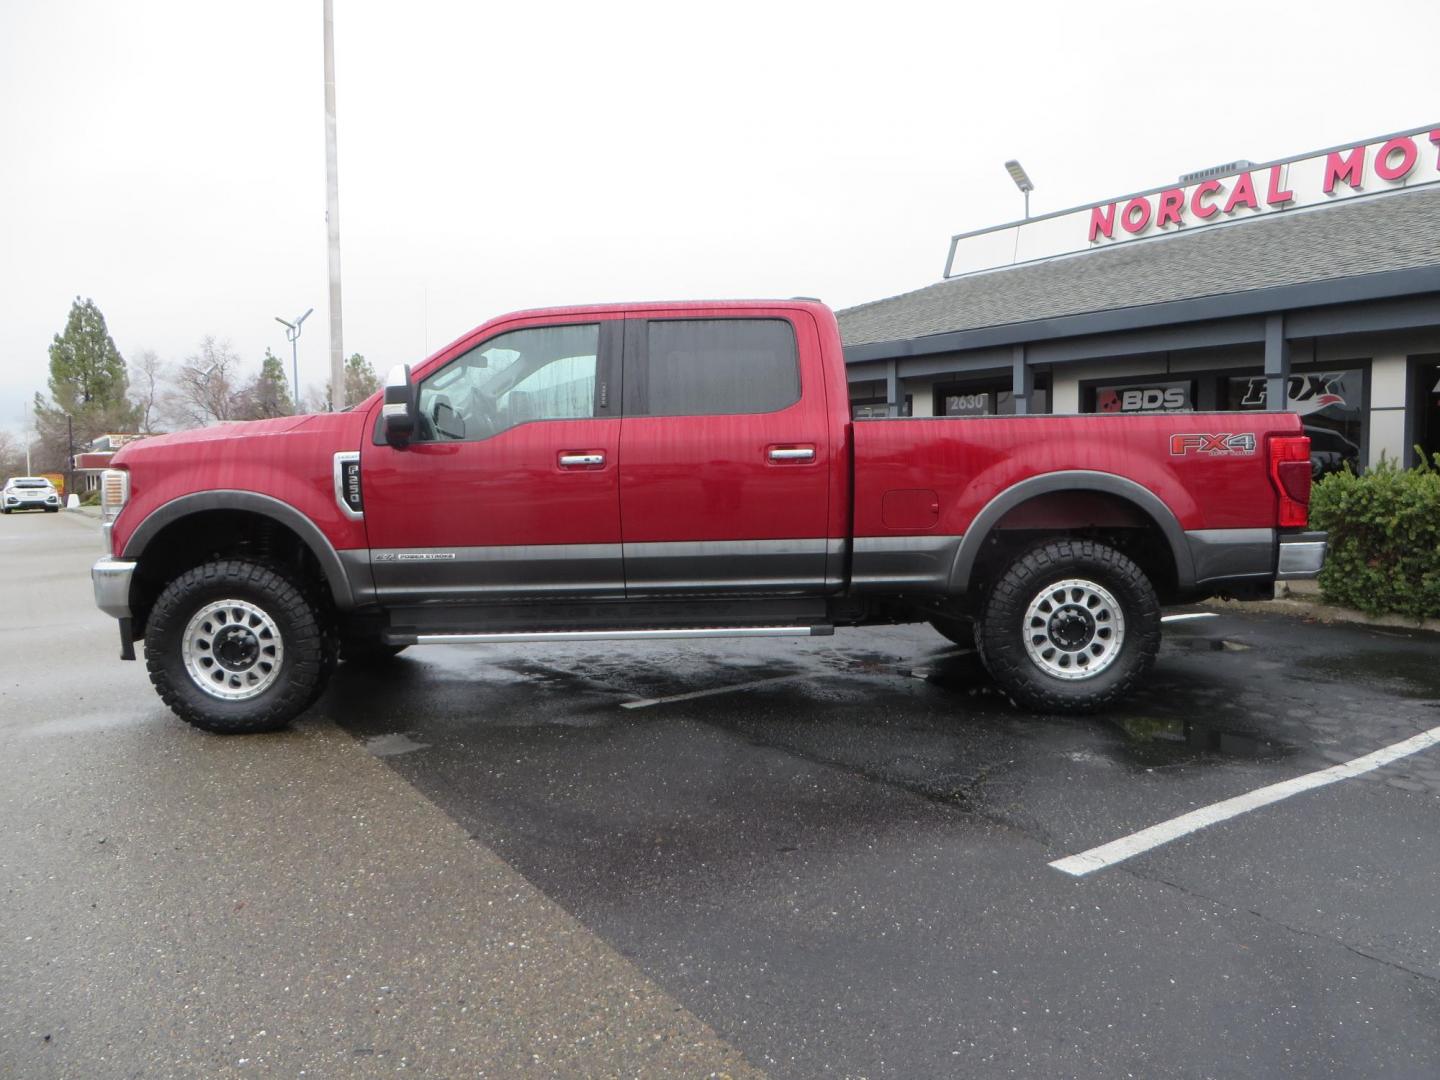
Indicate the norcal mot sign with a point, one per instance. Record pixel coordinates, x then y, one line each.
1216 196
1337 174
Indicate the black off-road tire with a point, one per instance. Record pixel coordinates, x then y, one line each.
1000 632
359 649
307 662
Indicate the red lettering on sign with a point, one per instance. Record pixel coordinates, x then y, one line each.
1172 202
1133 222
1199 208
1243 194
1435 138
1405 147
1102 222
1275 195
1350 169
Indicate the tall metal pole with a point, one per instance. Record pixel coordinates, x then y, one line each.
69 455
332 217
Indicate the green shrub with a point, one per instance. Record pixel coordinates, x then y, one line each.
1384 528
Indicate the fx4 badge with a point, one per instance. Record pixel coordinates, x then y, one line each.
1214 445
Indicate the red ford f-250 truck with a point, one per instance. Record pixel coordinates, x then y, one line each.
678 470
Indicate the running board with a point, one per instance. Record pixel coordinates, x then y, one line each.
394 637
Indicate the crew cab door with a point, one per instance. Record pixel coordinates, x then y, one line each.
509 489
724 455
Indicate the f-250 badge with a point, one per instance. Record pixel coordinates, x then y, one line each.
1224 445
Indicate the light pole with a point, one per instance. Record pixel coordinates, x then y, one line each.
292 335
69 455
1022 181
332 215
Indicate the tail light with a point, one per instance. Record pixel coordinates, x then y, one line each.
1290 473
114 493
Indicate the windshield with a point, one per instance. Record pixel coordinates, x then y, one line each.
26 482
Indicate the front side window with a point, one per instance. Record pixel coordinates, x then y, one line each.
541 373
715 367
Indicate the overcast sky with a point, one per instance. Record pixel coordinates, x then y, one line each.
167 158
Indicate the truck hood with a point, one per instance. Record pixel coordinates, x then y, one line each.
205 439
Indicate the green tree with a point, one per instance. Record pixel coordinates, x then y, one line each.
360 380
268 396
88 385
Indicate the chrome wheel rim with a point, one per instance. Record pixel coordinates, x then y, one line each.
232 650
1074 629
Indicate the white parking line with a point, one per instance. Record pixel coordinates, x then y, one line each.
643 702
1189 615
1118 850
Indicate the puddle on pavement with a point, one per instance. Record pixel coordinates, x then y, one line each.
1411 673
1164 733
1201 644
393 743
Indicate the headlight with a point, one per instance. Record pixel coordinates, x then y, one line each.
114 493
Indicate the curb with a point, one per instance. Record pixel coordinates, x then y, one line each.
1326 613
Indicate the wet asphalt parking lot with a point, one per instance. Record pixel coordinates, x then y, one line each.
825 858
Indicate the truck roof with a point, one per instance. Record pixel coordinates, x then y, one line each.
804 302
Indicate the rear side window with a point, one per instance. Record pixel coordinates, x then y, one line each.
713 367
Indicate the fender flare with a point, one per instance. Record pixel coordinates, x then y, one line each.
251 502
1074 480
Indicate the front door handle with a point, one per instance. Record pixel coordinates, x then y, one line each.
792 453
588 459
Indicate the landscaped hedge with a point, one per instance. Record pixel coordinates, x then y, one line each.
1384 528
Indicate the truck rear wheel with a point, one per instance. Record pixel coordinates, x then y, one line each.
1070 627
235 647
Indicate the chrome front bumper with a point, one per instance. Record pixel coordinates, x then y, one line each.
1301 556
111 578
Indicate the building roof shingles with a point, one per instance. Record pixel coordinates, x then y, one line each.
1393 232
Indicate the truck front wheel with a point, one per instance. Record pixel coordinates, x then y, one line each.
1070 627
235 647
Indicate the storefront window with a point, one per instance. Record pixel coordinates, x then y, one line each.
990 400
867 401
1427 398
1145 397
1329 404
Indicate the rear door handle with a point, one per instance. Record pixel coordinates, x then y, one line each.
792 453
588 459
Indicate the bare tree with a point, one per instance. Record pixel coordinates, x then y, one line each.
147 376
12 456
315 399
207 388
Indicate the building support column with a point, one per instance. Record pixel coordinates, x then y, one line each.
892 389
1277 364
1022 381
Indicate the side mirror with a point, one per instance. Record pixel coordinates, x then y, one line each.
400 410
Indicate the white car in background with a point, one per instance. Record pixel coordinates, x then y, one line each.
29 493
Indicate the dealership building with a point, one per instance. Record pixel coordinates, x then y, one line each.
1312 281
